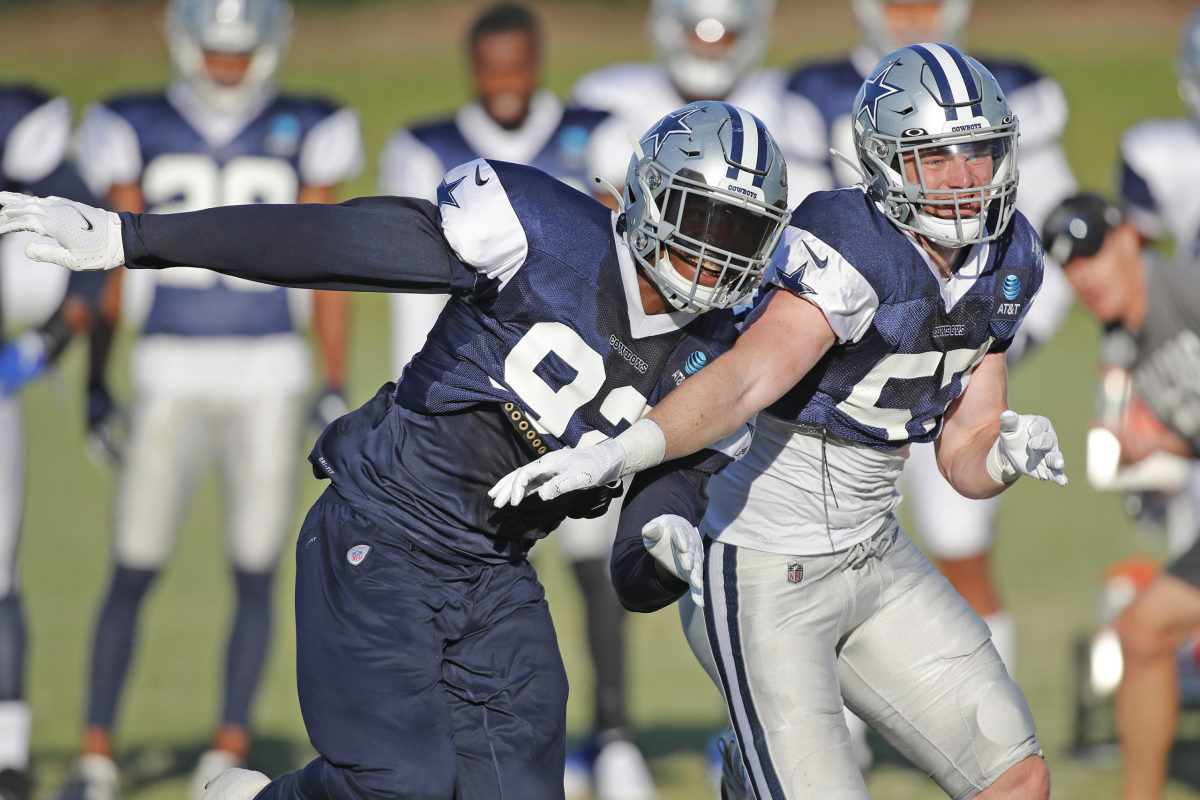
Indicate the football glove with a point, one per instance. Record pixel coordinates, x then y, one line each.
22 360
328 406
85 238
105 422
639 447
1027 445
676 544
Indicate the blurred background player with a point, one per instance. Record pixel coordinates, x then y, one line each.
511 119
1157 303
35 130
705 50
1159 165
958 533
514 119
1134 268
219 369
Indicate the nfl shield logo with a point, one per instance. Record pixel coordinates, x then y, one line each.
356 554
795 572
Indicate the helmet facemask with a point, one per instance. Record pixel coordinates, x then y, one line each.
258 29
707 46
920 199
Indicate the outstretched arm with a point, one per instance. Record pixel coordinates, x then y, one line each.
369 244
786 339
788 336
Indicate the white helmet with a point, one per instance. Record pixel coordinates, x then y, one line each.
882 39
1188 64
707 182
676 26
259 28
930 100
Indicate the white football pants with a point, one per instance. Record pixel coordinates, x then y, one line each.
879 626
12 488
173 438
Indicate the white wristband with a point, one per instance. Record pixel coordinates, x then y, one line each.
644 446
998 466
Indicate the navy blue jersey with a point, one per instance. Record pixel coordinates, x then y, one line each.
182 169
545 315
908 340
563 154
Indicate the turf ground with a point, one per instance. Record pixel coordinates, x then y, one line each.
400 61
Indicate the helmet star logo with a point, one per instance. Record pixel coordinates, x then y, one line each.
876 89
445 193
675 122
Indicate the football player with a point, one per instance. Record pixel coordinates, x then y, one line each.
1157 301
1110 254
959 533
515 120
220 370
428 665
35 130
885 321
706 50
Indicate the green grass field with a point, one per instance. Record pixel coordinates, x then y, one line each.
400 61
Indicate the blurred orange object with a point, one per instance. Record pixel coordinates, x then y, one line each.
1139 420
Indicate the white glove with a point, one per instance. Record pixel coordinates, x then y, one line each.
560 472
85 238
675 543
1027 445
640 446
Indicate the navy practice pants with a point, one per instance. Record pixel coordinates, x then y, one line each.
420 678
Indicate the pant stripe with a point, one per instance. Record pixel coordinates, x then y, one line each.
720 589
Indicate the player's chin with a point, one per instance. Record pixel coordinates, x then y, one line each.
508 108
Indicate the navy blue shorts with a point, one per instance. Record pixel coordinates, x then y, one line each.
420 678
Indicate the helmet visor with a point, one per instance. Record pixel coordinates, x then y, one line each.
711 222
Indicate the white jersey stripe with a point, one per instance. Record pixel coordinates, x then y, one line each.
737 696
750 145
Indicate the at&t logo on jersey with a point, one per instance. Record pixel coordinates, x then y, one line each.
1010 289
695 362
356 554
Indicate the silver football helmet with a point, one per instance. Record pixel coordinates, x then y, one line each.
258 28
707 183
883 38
925 112
708 45
1188 64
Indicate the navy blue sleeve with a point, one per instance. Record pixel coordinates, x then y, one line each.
668 489
372 244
